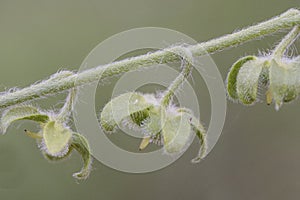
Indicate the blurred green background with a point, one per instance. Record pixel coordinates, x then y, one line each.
257 156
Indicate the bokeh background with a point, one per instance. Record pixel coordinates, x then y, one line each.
257 156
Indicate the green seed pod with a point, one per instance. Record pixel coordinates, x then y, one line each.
284 81
248 80
232 76
132 104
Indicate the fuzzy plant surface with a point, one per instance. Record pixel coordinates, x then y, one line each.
55 139
276 72
156 116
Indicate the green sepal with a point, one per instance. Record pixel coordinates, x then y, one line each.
25 112
232 76
200 131
176 132
81 145
130 104
56 138
248 80
284 81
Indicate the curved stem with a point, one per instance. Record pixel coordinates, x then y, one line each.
287 20
289 39
170 92
66 110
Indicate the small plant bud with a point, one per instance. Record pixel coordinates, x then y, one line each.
33 135
145 142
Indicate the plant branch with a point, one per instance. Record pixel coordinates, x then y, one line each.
289 39
66 110
55 85
170 92
186 68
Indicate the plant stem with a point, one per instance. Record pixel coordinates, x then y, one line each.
289 39
170 92
287 20
66 110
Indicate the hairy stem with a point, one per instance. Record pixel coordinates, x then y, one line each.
66 110
289 39
170 92
287 20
